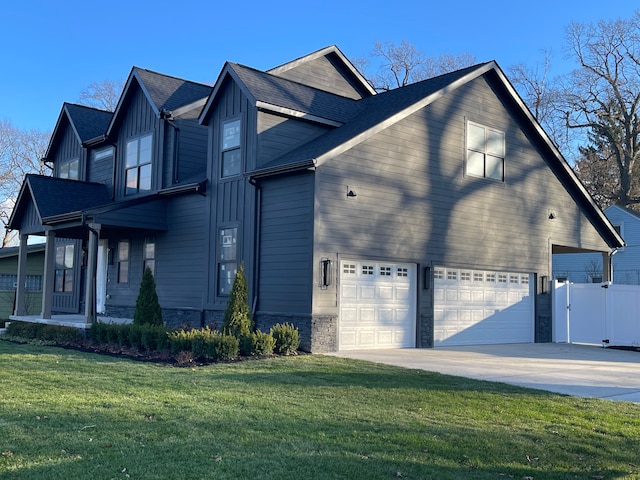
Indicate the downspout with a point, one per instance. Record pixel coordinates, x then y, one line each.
256 250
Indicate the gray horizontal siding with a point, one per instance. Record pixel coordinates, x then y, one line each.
325 73
285 245
415 202
278 135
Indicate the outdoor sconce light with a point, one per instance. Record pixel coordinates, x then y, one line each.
351 192
426 281
110 255
552 215
543 284
325 273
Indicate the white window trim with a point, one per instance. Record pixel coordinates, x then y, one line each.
484 152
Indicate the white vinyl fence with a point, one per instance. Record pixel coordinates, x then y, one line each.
598 314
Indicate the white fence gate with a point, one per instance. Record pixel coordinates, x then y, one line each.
596 314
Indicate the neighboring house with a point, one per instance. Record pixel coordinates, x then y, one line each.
422 216
587 267
9 279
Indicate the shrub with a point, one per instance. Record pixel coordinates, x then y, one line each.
148 309
24 329
237 319
262 343
287 338
204 343
44 332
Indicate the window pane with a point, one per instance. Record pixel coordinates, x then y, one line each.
68 256
226 275
123 272
73 169
475 137
231 134
132 153
475 164
495 143
60 256
228 243
102 154
123 251
132 180
231 163
151 265
68 280
149 250
59 281
145 150
145 177
495 168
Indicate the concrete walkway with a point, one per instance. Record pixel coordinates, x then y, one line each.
580 370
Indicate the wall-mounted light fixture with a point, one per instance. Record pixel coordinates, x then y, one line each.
543 284
426 280
552 215
325 273
351 192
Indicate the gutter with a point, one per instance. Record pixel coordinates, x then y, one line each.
308 164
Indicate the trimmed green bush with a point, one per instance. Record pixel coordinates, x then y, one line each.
204 343
262 343
237 319
287 338
148 311
44 332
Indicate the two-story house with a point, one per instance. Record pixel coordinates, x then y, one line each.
427 215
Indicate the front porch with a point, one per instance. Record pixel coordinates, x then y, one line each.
77 321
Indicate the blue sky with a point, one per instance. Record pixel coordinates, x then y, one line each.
52 50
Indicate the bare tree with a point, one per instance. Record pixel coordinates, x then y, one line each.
20 153
601 99
103 95
403 64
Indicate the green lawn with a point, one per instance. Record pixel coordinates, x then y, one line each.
69 415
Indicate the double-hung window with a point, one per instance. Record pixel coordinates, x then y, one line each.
123 261
227 259
138 164
149 255
485 152
231 157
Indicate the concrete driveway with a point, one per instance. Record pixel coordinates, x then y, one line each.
580 370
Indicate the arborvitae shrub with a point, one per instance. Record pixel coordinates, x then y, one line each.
286 337
148 311
237 316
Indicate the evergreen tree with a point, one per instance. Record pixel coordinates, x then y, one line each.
148 309
237 317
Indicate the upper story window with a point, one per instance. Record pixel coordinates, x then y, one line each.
70 169
485 152
102 154
138 164
231 152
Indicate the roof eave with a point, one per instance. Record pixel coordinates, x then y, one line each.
306 164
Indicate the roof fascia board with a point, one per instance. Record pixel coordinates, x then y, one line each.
561 160
280 169
227 70
296 114
481 70
321 53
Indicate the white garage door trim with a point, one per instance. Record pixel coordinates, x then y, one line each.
473 307
377 305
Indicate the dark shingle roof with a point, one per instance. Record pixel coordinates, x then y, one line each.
56 196
284 93
169 93
88 122
373 111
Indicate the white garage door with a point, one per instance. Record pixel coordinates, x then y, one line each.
377 305
474 307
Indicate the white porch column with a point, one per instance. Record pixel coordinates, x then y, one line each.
607 267
49 273
90 285
21 294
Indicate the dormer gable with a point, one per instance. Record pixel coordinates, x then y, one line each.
77 127
327 69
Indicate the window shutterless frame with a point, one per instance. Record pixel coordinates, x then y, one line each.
230 150
485 152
